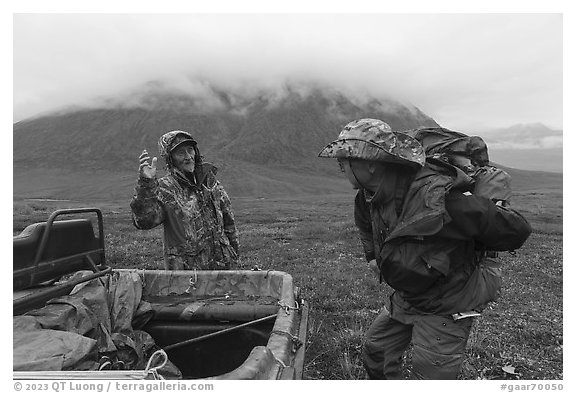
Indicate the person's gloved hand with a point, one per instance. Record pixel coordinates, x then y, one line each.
492 183
147 169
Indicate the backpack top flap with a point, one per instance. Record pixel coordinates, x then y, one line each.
451 146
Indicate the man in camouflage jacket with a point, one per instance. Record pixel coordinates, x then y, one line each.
195 210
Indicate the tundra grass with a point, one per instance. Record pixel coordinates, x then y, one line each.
314 239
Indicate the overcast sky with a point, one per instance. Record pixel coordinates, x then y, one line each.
467 71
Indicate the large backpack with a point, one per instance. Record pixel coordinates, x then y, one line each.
468 154
452 159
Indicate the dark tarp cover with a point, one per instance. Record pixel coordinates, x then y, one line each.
101 317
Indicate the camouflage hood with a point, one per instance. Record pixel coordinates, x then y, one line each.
172 139
204 173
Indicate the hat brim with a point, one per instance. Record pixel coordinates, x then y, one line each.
364 150
184 142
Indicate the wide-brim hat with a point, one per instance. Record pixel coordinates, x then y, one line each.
374 140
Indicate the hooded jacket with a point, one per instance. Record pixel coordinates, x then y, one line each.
199 226
432 252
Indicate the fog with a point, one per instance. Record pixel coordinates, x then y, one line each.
467 71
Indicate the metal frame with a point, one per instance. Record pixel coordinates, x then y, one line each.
44 294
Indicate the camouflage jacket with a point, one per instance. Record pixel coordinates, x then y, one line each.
199 227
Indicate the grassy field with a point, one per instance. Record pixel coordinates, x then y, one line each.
314 239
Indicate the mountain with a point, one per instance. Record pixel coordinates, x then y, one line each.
524 136
290 131
527 146
263 145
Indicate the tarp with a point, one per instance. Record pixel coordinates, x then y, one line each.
100 319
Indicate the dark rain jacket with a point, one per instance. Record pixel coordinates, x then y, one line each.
434 254
199 226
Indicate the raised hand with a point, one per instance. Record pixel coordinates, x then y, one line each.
147 169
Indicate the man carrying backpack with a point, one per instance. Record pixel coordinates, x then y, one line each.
423 224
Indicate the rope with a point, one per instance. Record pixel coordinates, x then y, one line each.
192 282
218 333
296 342
287 308
279 360
154 370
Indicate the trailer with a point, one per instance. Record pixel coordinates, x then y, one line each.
75 317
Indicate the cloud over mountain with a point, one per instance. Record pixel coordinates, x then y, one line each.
276 127
524 136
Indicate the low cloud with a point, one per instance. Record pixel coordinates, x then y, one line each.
552 142
462 69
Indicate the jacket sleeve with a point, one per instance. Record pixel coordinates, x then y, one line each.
364 223
229 222
147 209
497 228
